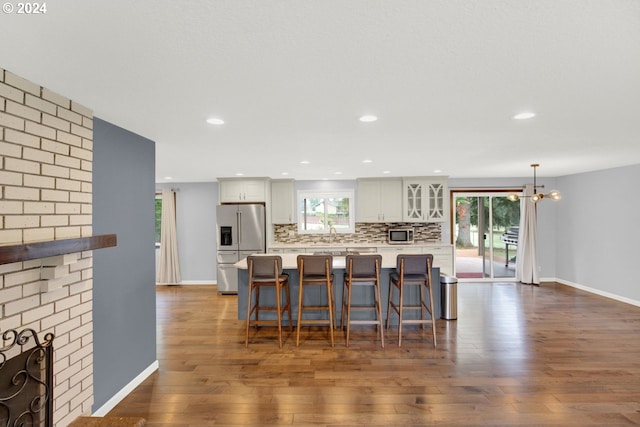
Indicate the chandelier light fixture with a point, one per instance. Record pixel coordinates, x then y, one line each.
537 196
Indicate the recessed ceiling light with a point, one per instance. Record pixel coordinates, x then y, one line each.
524 116
284 173
437 171
305 162
367 161
215 121
367 118
239 174
386 171
168 177
338 173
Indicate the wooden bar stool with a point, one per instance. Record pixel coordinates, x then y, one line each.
316 270
267 271
362 270
412 270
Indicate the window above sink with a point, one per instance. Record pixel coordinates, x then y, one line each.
321 212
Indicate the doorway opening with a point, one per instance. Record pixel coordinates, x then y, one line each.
485 235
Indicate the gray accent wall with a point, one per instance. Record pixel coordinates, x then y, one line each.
598 236
124 300
196 229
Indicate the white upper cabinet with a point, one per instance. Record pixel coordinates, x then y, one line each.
282 202
242 190
425 199
379 200
438 193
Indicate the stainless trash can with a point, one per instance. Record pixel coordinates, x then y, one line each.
449 297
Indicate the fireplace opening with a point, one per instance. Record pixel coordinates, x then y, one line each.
26 379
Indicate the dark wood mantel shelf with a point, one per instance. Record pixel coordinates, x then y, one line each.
35 250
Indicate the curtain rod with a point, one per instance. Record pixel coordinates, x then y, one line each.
490 187
515 187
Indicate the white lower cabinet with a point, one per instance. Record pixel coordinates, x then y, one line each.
442 258
295 251
300 250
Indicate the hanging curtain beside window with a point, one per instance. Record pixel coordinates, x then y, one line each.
527 255
169 264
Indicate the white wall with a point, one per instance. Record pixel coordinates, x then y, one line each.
598 234
196 229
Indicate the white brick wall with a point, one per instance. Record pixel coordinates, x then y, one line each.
46 154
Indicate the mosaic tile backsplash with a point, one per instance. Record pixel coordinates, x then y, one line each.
367 233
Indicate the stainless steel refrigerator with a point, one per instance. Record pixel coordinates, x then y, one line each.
241 232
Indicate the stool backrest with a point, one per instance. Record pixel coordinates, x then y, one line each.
363 265
415 264
264 266
315 264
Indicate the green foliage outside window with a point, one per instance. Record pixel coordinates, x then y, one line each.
505 214
321 211
158 217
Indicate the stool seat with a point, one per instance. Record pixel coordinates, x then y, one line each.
266 271
315 270
409 277
269 279
362 270
319 278
412 270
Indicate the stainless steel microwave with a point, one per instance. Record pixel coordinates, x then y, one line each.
400 236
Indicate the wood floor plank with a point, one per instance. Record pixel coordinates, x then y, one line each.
517 356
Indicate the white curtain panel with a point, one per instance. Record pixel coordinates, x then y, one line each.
169 264
527 255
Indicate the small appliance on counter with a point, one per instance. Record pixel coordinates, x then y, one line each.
241 232
400 236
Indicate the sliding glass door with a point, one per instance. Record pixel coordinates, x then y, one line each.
485 235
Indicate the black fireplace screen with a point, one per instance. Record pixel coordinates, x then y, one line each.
26 379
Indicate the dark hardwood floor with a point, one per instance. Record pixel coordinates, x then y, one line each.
517 356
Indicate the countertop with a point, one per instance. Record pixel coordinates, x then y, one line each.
289 261
353 245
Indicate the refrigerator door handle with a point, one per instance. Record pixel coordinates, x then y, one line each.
239 218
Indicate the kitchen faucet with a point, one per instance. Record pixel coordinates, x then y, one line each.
332 234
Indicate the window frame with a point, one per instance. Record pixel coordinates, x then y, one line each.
326 194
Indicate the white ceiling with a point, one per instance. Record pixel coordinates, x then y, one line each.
291 78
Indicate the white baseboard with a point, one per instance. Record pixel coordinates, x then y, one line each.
199 282
191 282
599 292
111 403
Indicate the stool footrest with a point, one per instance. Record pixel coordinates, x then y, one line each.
416 321
315 322
365 322
364 307
315 307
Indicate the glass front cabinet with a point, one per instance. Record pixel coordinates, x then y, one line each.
425 199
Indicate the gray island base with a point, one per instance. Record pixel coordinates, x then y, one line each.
318 295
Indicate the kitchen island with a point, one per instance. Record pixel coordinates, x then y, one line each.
442 252
318 295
